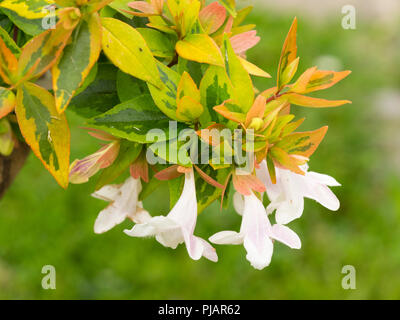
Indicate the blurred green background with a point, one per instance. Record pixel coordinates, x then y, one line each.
40 224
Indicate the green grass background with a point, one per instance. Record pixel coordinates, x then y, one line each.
40 224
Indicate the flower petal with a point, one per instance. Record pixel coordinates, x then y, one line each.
238 203
226 237
255 225
285 235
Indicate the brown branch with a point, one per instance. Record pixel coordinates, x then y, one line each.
11 165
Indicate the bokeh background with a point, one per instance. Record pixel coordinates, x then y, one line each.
40 224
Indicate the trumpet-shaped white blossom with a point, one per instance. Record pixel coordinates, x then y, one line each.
287 195
256 232
124 204
178 226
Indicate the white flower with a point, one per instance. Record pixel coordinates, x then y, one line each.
256 232
178 226
125 203
287 195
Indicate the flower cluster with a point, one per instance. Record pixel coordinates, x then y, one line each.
166 85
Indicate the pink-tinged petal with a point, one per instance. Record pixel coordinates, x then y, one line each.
82 170
254 228
208 251
323 179
142 6
286 236
212 17
244 41
323 195
226 237
238 203
193 244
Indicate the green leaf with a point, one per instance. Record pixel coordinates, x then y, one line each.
240 79
165 98
215 88
77 60
160 44
128 152
100 96
129 87
175 187
46 131
127 49
31 27
200 48
132 119
205 192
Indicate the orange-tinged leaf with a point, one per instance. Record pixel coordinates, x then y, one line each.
144 9
300 86
200 48
96 5
168 173
325 79
270 92
7 102
253 69
312 102
244 184
212 17
45 131
8 63
231 115
244 41
257 110
289 52
303 143
285 160
140 168
42 52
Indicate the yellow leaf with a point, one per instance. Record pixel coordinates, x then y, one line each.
30 9
200 48
127 49
45 131
189 109
253 69
187 87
